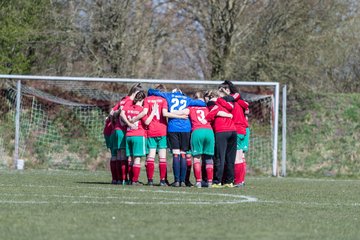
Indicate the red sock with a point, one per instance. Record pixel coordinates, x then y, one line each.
210 171
162 168
237 172
136 172
113 170
150 168
197 171
124 169
188 168
130 172
118 170
243 172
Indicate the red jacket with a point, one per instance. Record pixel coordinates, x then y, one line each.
238 115
219 124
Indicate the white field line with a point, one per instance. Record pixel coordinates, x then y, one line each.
236 199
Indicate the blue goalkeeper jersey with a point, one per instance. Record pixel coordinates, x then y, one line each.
177 101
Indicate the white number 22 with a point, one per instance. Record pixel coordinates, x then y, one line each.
176 102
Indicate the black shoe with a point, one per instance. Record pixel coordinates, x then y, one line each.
163 183
136 183
150 183
175 184
189 184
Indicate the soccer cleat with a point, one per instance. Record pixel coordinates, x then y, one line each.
175 184
216 185
239 185
182 184
198 184
209 185
136 183
189 184
113 182
163 183
228 185
150 183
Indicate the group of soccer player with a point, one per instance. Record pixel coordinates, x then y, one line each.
208 132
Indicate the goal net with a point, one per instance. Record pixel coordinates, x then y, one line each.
61 121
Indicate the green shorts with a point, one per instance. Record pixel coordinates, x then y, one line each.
240 141
135 146
202 142
118 140
156 142
246 140
108 141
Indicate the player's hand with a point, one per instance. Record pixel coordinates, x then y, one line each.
132 126
203 121
183 116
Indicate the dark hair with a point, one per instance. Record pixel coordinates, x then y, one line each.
139 96
134 88
211 94
228 84
161 87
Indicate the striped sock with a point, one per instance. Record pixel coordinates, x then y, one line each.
150 168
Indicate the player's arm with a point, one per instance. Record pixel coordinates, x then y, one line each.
195 103
152 114
224 114
140 115
126 121
168 114
243 104
185 111
156 92
223 103
212 114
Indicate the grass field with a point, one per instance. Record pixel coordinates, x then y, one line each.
53 204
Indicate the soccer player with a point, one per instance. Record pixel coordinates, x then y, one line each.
108 130
240 111
202 141
118 137
225 143
156 135
178 131
135 136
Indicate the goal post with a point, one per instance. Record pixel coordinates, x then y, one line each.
274 96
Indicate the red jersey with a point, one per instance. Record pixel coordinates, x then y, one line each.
243 104
108 127
131 112
220 124
197 116
124 102
158 125
238 115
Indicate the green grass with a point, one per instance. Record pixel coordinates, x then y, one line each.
39 204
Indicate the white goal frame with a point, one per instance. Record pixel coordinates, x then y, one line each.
275 85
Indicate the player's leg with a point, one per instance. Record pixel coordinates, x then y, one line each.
162 146
238 165
197 170
219 160
245 148
174 141
230 159
184 147
150 160
138 151
114 149
208 150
